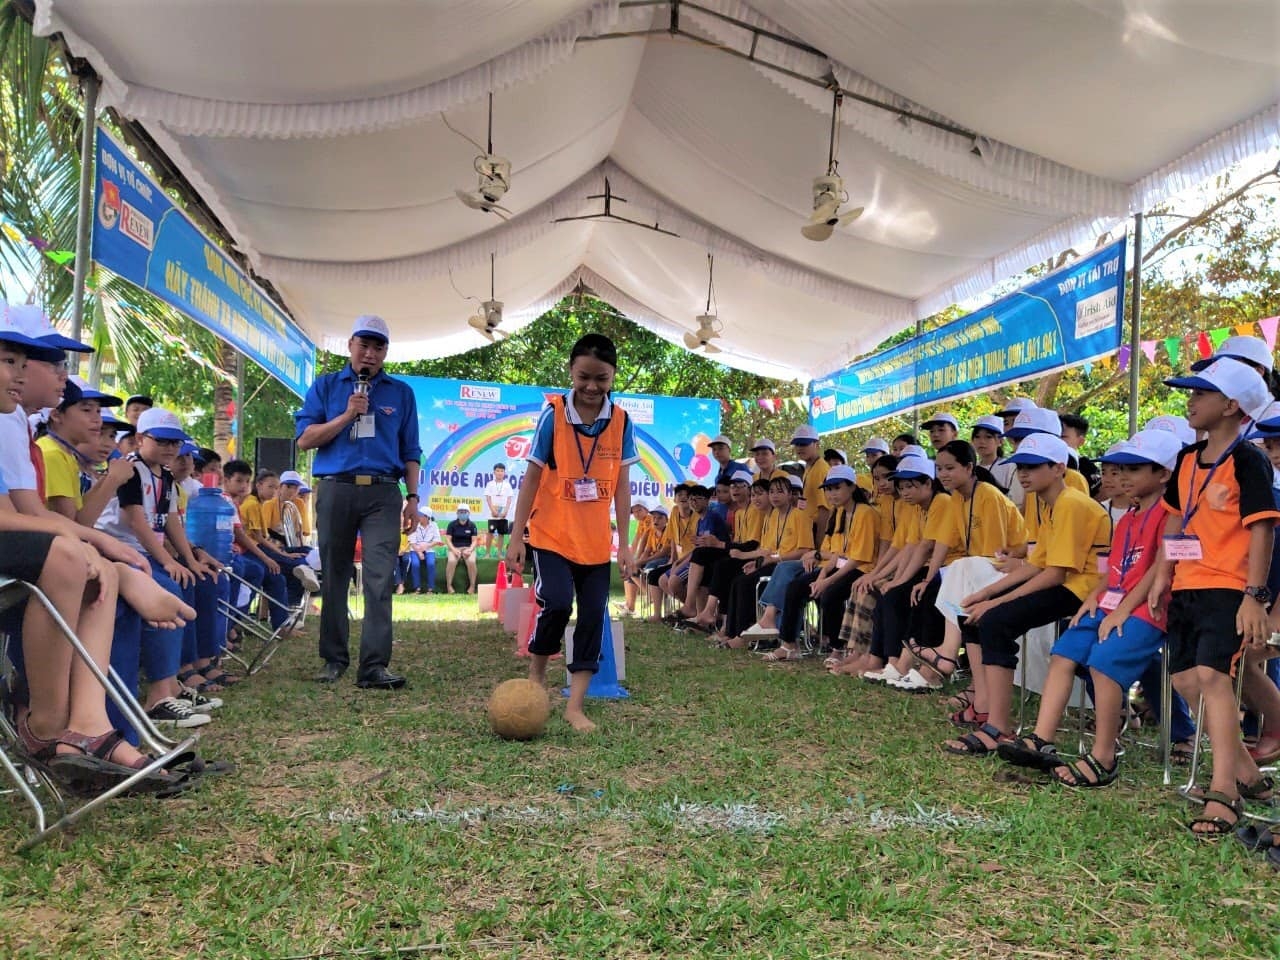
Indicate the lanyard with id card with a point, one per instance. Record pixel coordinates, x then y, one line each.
1114 593
586 490
1184 545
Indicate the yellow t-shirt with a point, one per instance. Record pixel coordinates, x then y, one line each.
986 523
859 541
908 526
747 524
815 498
866 483
61 472
786 531
682 530
1074 479
1072 534
771 475
938 525
251 516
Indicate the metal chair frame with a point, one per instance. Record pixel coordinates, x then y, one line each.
29 779
250 625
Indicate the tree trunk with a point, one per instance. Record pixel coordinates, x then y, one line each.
223 394
1047 390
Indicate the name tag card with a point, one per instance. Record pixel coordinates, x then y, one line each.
585 491
363 428
1183 548
840 562
1110 600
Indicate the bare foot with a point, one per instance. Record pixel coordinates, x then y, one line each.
156 605
578 721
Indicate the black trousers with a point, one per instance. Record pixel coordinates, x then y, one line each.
556 583
999 629
742 600
344 510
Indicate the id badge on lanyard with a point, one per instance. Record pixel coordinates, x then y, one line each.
586 490
1184 545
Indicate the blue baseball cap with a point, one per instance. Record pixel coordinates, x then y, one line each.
373 327
1146 446
741 476
13 331
1040 448
162 424
840 474
79 388
1232 378
34 322
914 468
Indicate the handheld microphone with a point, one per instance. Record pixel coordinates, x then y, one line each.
362 381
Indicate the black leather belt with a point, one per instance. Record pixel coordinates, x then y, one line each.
360 479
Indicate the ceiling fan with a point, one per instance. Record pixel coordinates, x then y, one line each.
828 189
494 173
488 318
709 325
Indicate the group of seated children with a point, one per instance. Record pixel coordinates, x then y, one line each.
92 511
923 562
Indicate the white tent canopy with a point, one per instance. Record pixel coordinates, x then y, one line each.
315 133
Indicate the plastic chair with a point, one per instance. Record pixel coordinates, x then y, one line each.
29 781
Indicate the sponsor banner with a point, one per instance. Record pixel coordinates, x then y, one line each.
467 428
1070 317
140 234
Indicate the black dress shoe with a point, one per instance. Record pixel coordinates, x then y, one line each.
331 673
380 678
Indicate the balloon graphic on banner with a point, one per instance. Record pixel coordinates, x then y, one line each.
701 443
683 453
700 466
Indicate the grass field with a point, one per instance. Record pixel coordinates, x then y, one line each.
728 809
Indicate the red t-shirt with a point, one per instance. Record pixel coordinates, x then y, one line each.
1135 546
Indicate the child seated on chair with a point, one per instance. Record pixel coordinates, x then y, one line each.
1114 633
1060 572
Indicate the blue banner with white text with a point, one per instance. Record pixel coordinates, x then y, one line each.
1069 317
140 234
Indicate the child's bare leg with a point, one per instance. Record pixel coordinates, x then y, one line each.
999 684
1055 697
575 709
48 656
979 675
1222 722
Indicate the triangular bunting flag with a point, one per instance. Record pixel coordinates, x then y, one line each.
1268 327
1173 346
1244 330
1105 362
61 257
765 404
1217 336
1122 358
1204 346
1088 367
1149 350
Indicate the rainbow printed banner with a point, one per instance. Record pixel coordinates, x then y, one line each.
468 427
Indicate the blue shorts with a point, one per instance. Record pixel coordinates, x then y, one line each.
1123 659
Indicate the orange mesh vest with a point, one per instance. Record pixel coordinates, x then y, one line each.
579 532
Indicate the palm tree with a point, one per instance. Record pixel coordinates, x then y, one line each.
40 130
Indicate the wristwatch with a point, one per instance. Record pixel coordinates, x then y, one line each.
1261 594
412 496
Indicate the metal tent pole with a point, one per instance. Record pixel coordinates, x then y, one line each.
84 212
240 365
1135 327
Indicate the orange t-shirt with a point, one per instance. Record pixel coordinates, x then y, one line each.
1225 502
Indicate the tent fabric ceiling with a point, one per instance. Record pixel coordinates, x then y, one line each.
319 138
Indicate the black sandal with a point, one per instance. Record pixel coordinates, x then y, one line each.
1075 778
1219 827
1030 751
92 769
973 746
917 651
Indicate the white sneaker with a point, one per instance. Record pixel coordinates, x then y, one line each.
914 682
307 577
755 630
199 702
887 674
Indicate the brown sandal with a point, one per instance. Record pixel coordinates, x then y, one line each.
92 769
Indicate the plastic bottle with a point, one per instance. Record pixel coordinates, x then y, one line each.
211 523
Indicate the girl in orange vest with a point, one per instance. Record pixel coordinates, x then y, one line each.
582 449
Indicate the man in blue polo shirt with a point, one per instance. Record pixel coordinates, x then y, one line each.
363 425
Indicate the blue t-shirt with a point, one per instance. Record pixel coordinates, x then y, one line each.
544 433
395 440
715 521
